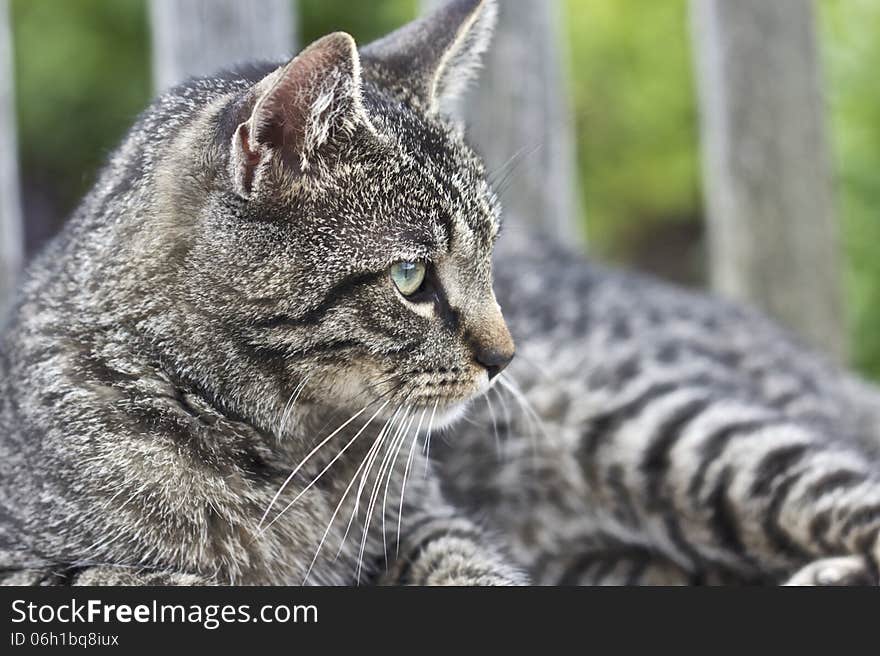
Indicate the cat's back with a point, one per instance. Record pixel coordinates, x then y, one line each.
584 332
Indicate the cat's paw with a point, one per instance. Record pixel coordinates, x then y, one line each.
843 570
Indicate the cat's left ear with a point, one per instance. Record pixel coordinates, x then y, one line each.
301 114
430 61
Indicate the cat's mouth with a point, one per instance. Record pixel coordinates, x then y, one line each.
445 394
445 388
441 393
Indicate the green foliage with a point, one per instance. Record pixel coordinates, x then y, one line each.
82 74
637 133
851 40
364 21
635 116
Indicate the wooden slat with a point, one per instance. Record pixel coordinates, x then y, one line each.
11 239
199 37
767 177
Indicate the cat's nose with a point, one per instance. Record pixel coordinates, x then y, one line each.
490 340
495 359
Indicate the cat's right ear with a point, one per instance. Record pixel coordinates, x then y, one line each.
300 110
430 61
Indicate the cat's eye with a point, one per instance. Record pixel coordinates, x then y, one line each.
408 276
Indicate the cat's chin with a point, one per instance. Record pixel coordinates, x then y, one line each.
455 411
447 417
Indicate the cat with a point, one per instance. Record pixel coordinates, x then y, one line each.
279 270
229 367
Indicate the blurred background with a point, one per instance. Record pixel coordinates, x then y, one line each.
733 145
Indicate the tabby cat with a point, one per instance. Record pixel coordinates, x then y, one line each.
230 365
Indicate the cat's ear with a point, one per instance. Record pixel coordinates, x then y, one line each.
301 110
431 60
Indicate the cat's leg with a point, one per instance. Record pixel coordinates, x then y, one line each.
99 575
28 577
733 483
438 544
612 567
110 575
843 570
448 550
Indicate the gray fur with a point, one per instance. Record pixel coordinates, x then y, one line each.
218 305
209 377
678 437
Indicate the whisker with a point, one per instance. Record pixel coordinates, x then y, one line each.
364 478
316 449
541 369
502 185
428 435
329 465
306 459
368 461
499 174
374 494
339 506
500 442
391 467
534 418
472 422
409 459
504 406
510 386
369 389
507 419
291 402
494 422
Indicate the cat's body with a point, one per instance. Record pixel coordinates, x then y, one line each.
675 438
209 371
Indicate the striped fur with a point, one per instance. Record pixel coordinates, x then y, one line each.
672 425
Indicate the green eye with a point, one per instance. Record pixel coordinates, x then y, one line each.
408 276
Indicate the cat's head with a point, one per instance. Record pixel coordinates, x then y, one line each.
353 228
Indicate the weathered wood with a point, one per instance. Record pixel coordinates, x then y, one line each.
11 239
518 116
768 186
198 37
